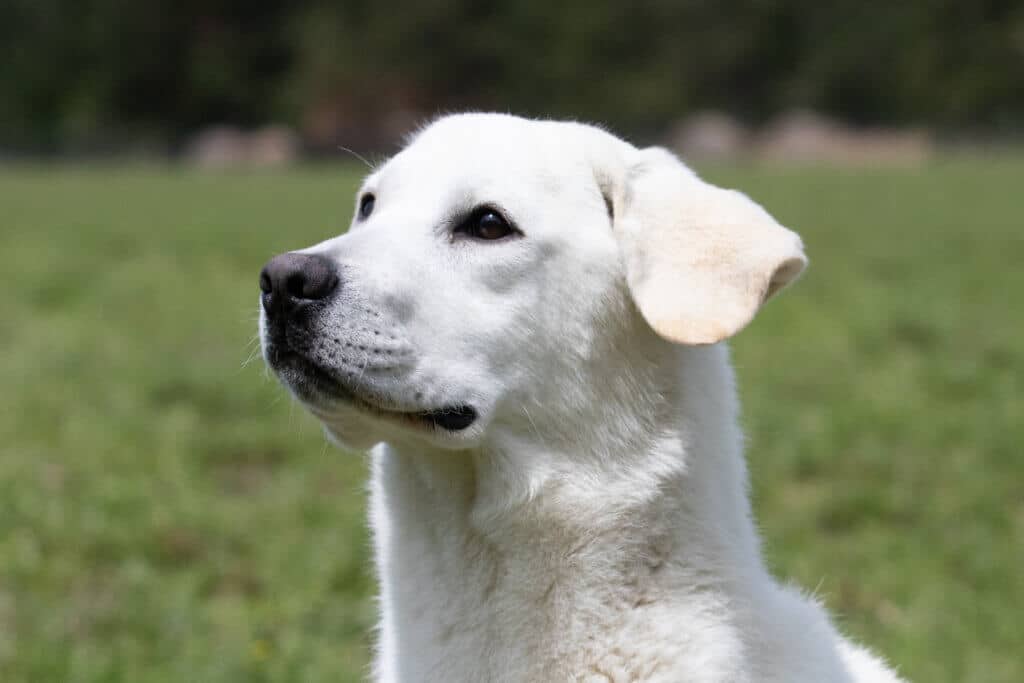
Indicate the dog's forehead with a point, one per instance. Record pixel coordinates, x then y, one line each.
509 137
488 149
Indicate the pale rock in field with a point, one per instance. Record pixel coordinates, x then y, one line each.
216 147
802 136
274 146
226 146
709 135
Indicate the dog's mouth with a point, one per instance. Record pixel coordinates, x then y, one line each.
314 384
452 418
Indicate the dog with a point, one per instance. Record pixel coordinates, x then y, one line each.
525 322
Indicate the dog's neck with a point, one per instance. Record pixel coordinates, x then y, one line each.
489 555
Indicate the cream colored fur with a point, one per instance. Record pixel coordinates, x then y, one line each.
593 523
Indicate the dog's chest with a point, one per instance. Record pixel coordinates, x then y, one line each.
536 607
490 626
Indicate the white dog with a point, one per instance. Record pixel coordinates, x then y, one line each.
525 318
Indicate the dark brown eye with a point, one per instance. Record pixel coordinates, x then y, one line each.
366 205
486 224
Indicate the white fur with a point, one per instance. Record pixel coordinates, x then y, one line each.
593 524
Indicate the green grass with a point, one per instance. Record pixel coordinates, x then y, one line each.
167 514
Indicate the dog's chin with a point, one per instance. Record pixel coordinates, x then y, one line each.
359 427
354 434
361 432
357 422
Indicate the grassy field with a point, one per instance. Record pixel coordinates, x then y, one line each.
167 514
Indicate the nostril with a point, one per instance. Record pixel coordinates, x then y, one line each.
266 286
290 278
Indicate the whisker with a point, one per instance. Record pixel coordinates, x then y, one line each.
356 155
252 356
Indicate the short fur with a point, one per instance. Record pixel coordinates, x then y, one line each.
593 523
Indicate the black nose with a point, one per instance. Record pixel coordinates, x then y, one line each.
291 279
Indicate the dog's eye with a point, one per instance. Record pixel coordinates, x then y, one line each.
486 224
366 205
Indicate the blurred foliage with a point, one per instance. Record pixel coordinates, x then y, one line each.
79 70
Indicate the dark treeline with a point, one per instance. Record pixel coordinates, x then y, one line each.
78 71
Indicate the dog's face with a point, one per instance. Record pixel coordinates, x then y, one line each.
500 273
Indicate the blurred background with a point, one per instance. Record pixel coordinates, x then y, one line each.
100 77
167 513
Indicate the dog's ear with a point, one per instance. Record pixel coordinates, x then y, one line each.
700 260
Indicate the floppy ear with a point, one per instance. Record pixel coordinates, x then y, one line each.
700 260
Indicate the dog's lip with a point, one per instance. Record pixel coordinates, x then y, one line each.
452 418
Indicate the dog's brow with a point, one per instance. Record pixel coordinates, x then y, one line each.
370 182
462 198
462 204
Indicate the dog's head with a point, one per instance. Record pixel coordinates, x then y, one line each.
503 276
